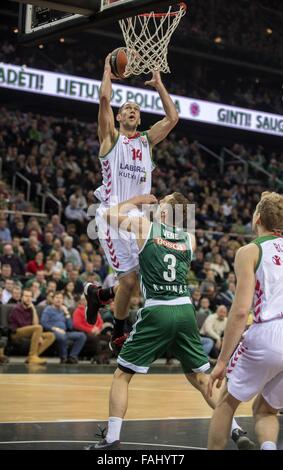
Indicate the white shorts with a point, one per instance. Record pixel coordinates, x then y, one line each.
121 248
256 367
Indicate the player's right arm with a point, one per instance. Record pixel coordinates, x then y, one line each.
245 263
106 123
117 217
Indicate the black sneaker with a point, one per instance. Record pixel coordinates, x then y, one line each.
241 440
116 343
93 302
103 444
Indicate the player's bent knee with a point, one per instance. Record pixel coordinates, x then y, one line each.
123 373
198 380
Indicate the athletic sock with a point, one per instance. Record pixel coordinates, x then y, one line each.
118 327
268 445
114 429
106 294
234 425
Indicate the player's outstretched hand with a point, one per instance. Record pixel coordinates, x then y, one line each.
107 68
155 81
218 374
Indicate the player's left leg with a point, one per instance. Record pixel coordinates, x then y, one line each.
239 436
118 404
266 424
189 350
221 421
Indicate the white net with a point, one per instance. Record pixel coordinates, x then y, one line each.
147 38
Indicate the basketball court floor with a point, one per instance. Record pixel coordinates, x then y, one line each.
59 407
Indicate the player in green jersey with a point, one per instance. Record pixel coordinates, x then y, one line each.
168 317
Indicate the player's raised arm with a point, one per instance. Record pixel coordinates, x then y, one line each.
106 122
161 129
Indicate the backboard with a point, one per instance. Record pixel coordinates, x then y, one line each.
43 19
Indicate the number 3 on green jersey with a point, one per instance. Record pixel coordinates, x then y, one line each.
170 274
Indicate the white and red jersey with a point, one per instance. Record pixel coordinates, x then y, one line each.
268 298
126 170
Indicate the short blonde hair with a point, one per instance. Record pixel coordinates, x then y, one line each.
270 208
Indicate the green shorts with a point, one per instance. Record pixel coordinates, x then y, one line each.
158 329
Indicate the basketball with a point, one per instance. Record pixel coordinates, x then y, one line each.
118 62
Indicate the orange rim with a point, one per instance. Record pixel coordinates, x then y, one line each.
182 6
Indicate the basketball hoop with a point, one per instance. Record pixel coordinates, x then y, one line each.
147 38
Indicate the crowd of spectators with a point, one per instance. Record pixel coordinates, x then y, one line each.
47 255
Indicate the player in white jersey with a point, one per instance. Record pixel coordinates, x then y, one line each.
125 157
256 367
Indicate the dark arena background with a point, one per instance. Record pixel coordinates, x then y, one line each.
226 67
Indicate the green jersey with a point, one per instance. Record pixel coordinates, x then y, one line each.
164 263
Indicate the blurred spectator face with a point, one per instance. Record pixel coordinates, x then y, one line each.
27 298
40 276
210 292
55 220
230 253
48 227
9 284
93 277
34 225
3 223
16 242
6 271
49 298
56 275
74 274
231 278
73 202
39 257
71 229
20 225
33 242
218 259
70 286
69 267
210 275
221 312
206 266
35 287
51 286
204 303
199 255
97 262
20 197
68 243
232 287
89 267
8 250
196 294
49 265
48 238
88 248
17 293
58 300
57 244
